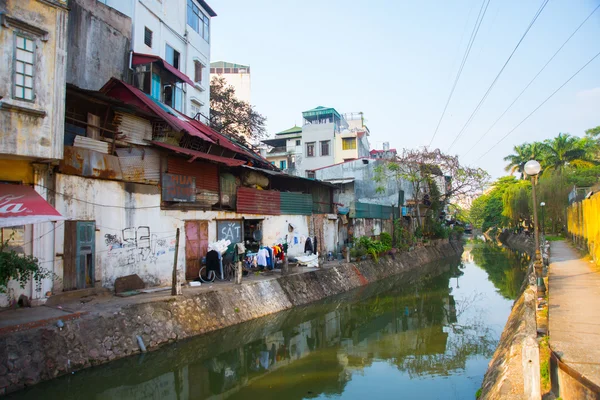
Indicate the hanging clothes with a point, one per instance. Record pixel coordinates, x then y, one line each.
308 248
261 257
212 261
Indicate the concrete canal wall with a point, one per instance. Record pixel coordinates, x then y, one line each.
514 371
31 356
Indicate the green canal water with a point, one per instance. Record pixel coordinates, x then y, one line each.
428 334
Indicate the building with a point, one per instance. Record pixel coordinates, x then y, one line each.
325 138
386 153
171 38
235 75
285 149
33 41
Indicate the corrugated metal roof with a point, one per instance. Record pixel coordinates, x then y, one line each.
287 176
206 174
296 203
136 130
197 154
89 163
138 59
140 165
254 201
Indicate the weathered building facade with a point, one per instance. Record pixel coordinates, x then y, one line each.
32 97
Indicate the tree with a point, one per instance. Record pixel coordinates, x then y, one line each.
19 267
593 132
522 154
435 178
487 210
516 203
231 116
565 151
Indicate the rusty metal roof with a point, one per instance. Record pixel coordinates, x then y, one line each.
197 154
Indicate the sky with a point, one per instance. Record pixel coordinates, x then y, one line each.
396 62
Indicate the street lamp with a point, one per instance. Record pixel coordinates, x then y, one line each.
533 168
542 205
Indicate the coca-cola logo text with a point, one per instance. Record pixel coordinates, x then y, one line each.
9 204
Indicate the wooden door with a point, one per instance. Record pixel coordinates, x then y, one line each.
196 247
79 255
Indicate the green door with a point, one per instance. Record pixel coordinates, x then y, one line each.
85 251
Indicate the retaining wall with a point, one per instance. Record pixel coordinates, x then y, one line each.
43 353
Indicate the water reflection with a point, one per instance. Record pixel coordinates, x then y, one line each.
505 268
411 324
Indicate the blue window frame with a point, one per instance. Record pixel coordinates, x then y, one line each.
283 164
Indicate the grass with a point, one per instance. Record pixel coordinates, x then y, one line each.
478 394
554 238
545 364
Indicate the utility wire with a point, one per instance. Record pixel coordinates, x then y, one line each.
532 80
538 107
535 17
70 197
480 16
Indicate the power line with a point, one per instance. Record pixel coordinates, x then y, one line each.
70 197
478 21
538 107
535 17
532 80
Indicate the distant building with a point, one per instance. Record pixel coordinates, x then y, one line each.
171 51
386 153
286 149
235 75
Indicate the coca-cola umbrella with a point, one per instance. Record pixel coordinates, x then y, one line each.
21 205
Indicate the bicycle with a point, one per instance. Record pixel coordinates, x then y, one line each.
229 272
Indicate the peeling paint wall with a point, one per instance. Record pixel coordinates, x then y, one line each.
134 236
34 128
99 40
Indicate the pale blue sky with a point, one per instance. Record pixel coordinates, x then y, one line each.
396 61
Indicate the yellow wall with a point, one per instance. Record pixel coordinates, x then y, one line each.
16 170
583 220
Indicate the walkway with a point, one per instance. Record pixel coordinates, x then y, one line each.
574 310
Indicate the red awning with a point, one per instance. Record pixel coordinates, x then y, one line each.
139 59
198 154
21 205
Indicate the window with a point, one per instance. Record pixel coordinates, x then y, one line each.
310 149
155 87
197 20
298 142
325 148
172 56
24 62
195 108
147 37
198 71
282 164
310 174
173 95
348 143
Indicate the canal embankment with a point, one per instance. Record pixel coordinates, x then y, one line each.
60 347
514 371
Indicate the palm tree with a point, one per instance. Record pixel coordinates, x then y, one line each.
522 154
564 151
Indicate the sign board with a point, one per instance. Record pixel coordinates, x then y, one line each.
179 188
230 230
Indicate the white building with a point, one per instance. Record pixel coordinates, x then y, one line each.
177 31
235 75
325 138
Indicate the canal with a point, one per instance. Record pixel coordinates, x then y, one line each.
428 334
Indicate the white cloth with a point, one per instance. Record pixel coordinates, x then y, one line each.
261 257
220 246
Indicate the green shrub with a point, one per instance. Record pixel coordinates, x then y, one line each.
19 267
386 240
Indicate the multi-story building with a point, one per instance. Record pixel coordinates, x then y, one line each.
171 51
235 75
33 39
286 149
325 138
386 153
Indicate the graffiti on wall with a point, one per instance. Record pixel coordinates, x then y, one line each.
137 245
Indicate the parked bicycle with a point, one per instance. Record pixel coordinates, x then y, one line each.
228 274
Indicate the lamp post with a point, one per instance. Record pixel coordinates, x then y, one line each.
543 205
533 168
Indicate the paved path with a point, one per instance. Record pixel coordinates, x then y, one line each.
574 310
